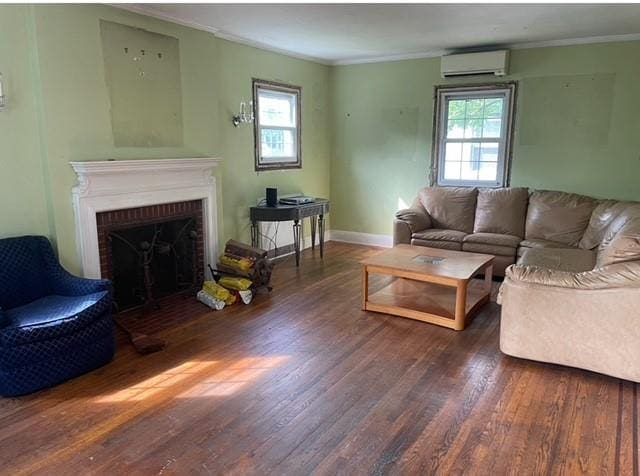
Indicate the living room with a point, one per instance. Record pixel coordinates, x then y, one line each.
459 295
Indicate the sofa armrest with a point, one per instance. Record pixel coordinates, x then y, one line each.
620 275
70 285
417 219
409 221
66 284
590 326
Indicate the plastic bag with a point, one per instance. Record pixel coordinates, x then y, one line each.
210 301
246 296
216 291
237 263
231 299
238 284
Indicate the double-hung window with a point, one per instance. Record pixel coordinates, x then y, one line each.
277 125
473 128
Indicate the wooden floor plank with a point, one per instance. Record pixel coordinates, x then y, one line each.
304 382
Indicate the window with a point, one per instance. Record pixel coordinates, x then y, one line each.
473 135
277 125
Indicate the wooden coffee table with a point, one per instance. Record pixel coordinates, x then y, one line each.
430 284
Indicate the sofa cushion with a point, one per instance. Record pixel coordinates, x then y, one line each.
496 239
445 245
491 243
622 244
558 216
450 208
501 263
52 316
527 244
489 249
563 259
22 278
603 215
501 210
533 243
436 234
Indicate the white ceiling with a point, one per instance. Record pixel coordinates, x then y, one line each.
354 33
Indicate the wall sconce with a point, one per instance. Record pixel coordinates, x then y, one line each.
2 103
243 116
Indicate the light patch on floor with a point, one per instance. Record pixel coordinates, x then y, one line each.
232 378
226 380
158 383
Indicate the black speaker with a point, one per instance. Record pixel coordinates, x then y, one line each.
272 197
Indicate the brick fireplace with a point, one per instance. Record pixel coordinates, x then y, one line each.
112 196
174 235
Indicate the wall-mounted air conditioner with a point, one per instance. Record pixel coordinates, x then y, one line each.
469 64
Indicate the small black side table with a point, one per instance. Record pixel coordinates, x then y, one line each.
294 213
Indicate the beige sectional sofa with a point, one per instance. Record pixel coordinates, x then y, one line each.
572 296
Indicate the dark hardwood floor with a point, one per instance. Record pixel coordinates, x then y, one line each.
304 382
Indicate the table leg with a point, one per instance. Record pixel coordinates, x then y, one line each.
313 232
488 278
365 287
254 234
321 229
461 305
296 240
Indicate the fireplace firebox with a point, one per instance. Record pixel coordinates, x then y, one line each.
151 252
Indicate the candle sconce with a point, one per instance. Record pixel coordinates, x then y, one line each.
2 97
244 116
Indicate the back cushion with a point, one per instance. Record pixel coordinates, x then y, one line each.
602 217
558 216
621 243
450 208
22 273
501 210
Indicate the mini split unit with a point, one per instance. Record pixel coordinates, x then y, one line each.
470 64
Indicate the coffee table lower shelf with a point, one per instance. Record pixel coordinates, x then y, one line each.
429 302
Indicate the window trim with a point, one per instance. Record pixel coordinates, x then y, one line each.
506 142
260 165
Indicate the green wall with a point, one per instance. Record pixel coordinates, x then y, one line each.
242 185
366 128
577 128
60 112
75 100
23 206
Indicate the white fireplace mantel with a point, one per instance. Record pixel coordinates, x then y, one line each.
120 184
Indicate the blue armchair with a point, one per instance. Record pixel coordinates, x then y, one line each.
53 326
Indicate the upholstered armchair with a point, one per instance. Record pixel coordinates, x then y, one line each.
53 326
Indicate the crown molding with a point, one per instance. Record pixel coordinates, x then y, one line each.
513 46
272 49
576 41
152 12
388 58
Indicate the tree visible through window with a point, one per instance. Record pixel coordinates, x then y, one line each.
473 134
277 125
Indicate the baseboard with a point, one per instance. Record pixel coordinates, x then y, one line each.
288 250
385 241
370 239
